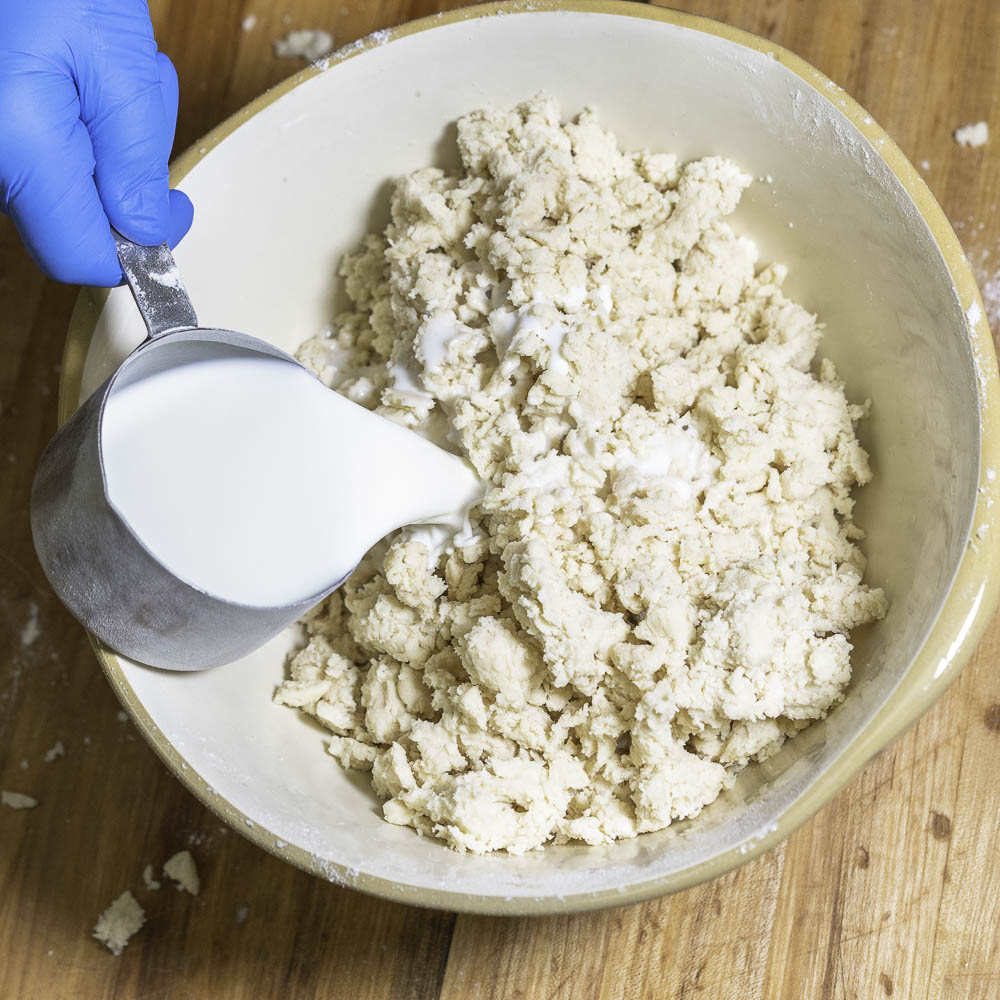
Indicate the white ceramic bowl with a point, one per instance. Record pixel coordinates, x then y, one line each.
297 178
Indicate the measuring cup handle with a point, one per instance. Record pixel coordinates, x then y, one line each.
156 286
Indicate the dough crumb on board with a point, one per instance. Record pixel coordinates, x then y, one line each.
249 22
973 135
17 800
665 574
119 922
305 43
147 877
182 869
31 630
56 750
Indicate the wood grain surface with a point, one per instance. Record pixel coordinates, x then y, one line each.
892 890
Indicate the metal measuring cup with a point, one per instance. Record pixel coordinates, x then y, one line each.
97 565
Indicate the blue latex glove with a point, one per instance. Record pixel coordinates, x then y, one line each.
87 115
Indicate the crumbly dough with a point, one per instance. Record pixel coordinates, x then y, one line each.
181 868
664 573
119 922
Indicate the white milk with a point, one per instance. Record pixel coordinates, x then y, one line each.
249 479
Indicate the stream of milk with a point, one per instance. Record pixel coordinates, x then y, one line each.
251 480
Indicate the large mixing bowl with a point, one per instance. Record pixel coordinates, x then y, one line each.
300 175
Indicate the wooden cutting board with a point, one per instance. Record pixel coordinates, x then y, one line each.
892 890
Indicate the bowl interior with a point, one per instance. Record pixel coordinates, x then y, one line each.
281 198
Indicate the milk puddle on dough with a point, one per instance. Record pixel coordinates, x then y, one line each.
251 480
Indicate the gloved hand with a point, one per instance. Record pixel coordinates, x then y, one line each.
87 115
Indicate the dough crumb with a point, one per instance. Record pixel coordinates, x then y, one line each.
31 630
119 922
305 43
973 135
182 869
121 716
147 877
241 914
248 23
17 800
56 750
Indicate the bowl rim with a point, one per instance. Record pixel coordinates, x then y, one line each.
967 607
